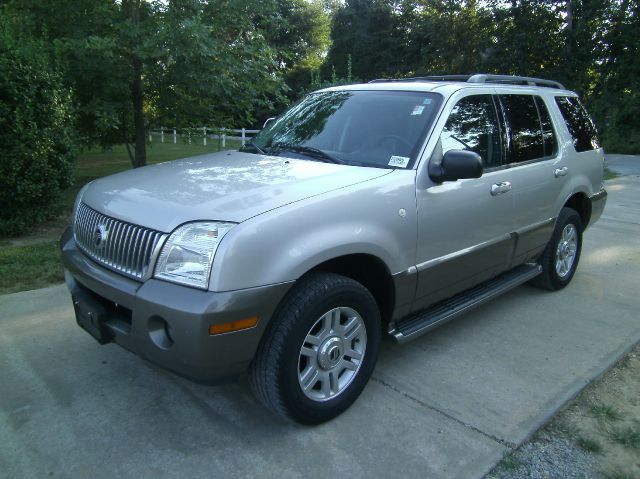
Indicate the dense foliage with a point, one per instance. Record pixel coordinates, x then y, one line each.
127 65
133 63
37 148
591 46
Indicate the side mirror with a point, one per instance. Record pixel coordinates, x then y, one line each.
456 165
267 121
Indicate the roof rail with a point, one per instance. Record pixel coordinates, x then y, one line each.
481 78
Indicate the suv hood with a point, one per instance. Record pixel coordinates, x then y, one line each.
225 186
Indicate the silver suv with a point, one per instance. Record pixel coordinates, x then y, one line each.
382 208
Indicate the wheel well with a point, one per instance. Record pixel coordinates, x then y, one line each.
582 205
369 271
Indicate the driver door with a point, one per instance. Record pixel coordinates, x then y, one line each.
465 227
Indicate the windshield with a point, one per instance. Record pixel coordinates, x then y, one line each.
370 128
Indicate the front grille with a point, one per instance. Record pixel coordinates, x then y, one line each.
120 246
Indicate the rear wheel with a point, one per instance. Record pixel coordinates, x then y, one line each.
561 255
319 351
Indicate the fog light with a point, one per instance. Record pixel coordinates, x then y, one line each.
232 326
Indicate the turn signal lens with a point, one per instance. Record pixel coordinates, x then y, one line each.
232 326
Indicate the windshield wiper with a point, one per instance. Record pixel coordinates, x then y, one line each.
254 146
308 150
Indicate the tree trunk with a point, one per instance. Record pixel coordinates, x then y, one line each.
569 30
138 114
131 10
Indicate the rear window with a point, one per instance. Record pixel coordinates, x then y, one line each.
525 129
579 123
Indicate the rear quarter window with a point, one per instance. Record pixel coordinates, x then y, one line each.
548 135
582 130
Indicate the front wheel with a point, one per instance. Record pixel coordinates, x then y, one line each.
561 255
319 350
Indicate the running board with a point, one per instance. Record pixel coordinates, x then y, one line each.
438 314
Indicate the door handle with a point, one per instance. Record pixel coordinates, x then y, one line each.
558 172
500 188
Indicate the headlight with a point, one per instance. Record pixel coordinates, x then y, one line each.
187 255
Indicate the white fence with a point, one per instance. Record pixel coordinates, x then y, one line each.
202 134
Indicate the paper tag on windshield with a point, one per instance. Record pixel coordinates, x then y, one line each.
417 110
399 161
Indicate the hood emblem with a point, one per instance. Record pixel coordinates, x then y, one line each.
100 236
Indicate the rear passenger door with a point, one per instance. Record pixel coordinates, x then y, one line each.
538 171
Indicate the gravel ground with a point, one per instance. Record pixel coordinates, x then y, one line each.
604 419
548 456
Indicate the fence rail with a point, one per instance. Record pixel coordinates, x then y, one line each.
203 133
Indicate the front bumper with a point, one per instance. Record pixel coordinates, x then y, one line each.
598 202
135 314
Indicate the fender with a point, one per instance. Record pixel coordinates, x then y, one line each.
585 176
377 217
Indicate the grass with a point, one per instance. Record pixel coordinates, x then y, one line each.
627 437
33 261
605 412
29 266
609 175
619 475
588 444
509 462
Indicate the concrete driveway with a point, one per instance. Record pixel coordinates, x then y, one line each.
624 164
444 406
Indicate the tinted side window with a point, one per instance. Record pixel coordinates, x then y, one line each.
548 136
473 125
579 124
525 130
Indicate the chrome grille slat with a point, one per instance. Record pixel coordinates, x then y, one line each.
127 249
123 243
135 231
147 250
120 242
109 256
116 240
134 242
143 233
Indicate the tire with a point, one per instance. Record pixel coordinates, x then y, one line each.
567 237
337 321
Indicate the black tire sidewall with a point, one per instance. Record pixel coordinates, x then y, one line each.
302 408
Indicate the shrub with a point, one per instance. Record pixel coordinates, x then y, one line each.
37 139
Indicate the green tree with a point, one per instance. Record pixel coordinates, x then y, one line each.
132 62
214 69
298 32
447 37
38 140
370 32
614 79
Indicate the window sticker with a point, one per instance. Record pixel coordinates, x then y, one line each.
417 110
399 161
426 101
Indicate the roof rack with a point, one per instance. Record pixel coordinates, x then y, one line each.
481 78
